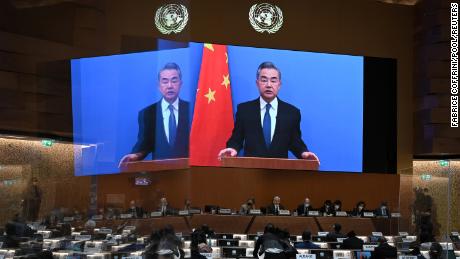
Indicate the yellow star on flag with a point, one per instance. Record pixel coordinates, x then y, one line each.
226 81
210 95
209 46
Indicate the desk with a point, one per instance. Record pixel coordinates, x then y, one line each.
253 224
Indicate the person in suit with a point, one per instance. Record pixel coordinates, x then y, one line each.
269 244
135 210
248 206
383 210
306 242
358 211
384 250
163 126
327 209
304 208
267 126
275 207
332 236
32 201
337 206
164 207
352 242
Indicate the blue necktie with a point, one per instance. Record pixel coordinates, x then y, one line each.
267 125
172 125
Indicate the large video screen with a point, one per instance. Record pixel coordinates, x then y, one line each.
119 102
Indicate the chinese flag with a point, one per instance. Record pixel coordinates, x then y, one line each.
213 116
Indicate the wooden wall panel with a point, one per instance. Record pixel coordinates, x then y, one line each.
230 187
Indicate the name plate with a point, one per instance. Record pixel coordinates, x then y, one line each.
369 247
44 233
129 228
305 256
194 211
377 234
313 213
225 211
207 255
323 234
156 214
97 217
403 234
105 231
126 216
284 213
340 239
183 212
407 257
341 214
454 234
368 214
83 237
132 257
68 219
255 212
395 215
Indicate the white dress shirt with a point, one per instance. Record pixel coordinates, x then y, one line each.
273 112
166 113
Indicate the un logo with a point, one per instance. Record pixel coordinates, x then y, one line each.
266 17
171 18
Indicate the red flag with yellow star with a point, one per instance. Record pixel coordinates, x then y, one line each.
213 116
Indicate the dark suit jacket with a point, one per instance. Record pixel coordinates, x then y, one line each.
271 209
353 243
301 211
384 251
137 212
248 134
332 236
378 212
152 138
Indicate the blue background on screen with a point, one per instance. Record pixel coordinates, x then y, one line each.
108 92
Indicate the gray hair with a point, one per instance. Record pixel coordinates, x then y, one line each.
267 64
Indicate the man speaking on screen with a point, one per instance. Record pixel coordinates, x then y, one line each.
164 125
267 126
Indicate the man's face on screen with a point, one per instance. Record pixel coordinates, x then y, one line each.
169 84
268 83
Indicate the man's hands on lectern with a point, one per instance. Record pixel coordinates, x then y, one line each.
131 158
310 155
226 152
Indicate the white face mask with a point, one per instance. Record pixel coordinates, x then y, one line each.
384 207
361 207
307 204
336 207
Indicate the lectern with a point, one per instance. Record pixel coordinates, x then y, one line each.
155 165
270 163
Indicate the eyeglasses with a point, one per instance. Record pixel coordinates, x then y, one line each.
272 80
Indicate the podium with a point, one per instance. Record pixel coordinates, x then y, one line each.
270 163
155 165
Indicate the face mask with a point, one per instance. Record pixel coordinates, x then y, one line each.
336 207
307 204
384 207
361 207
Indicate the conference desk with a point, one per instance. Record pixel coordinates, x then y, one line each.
253 224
